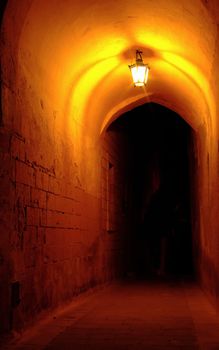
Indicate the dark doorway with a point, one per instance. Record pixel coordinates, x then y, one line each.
159 241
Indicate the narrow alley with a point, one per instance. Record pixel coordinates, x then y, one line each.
109 174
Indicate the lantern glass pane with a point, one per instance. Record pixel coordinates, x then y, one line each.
139 74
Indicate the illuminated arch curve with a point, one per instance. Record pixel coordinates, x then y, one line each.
80 64
69 66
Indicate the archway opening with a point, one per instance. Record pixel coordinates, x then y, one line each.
154 190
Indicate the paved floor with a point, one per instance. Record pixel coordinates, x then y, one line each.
131 315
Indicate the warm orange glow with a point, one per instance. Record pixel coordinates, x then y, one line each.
197 79
66 78
139 74
88 87
187 68
139 70
87 82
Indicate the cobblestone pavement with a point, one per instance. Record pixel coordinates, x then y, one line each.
130 315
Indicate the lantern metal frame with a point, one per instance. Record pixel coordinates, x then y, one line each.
139 79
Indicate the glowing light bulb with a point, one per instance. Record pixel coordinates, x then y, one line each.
139 70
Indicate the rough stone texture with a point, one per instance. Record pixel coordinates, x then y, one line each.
35 212
114 218
56 100
55 237
6 217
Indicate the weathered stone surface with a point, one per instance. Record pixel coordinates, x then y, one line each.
61 218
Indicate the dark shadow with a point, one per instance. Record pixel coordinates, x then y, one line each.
3 4
157 203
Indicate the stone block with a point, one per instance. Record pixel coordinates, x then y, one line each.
57 219
62 204
30 237
54 185
18 148
22 193
38 198
33 216
42 180
5 141
25 174
62 235
43 217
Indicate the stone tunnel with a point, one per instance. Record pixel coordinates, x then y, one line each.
83 151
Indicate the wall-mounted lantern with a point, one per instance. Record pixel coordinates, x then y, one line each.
139 70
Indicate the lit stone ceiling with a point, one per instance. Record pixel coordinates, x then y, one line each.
78 53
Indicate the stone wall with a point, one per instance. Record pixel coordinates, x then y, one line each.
56 240
114 203
46 231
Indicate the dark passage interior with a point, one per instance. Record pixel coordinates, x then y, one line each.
156 199
147 199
